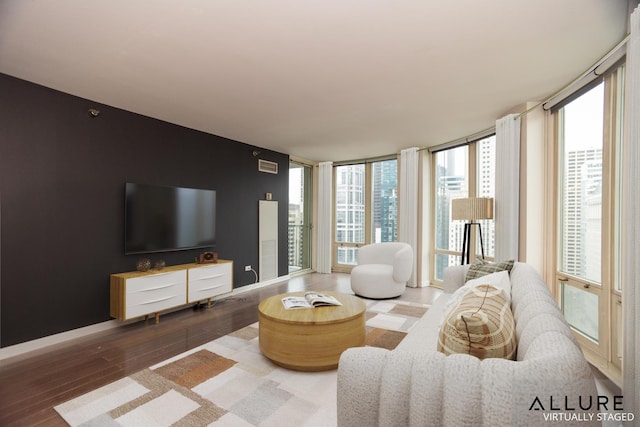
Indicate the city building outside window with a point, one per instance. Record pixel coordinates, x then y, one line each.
299 228
366 208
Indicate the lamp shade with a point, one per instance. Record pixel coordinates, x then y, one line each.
472 208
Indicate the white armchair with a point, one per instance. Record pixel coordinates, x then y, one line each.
383 270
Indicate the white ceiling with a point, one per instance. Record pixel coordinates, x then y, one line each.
317 79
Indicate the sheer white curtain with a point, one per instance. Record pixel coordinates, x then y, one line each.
408 204
630 225
324 223
424 218
507 198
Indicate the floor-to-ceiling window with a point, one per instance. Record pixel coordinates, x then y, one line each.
366 208
299 253
464 171
589 132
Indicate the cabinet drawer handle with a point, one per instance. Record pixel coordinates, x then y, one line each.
161 274
210 277
157 300
168 285
210 287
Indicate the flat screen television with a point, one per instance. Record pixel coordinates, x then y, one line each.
162 219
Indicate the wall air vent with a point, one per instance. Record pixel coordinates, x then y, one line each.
267 166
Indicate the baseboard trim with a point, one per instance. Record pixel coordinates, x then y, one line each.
40 343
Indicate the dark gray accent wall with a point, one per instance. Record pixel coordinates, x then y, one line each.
62 177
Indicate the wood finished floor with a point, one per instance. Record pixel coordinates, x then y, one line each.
32 384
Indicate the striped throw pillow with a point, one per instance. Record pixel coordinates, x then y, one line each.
481 325
480 267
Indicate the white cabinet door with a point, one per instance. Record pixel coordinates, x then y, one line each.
210 280
155 292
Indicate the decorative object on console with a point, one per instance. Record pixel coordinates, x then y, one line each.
471 209
143 264
208 257
159 265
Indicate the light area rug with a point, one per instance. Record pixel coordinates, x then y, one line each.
228 382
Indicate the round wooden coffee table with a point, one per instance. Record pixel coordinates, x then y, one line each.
310 339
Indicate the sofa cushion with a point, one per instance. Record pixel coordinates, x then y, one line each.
500 280
480 267
481 325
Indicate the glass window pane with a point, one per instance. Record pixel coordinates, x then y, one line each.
299 253
348 255
384 201
581 186
350 225
443 261
581 310
451 183
486 187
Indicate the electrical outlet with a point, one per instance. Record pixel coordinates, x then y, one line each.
247 268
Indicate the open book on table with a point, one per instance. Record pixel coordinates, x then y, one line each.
308 300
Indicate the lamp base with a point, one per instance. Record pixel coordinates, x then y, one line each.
465 256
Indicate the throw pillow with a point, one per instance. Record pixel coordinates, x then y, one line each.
500 280
482 325
480 267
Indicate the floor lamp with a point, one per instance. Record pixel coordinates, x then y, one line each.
471 209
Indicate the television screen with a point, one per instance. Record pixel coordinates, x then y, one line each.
159 219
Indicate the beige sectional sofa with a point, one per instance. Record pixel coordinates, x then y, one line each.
415 385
